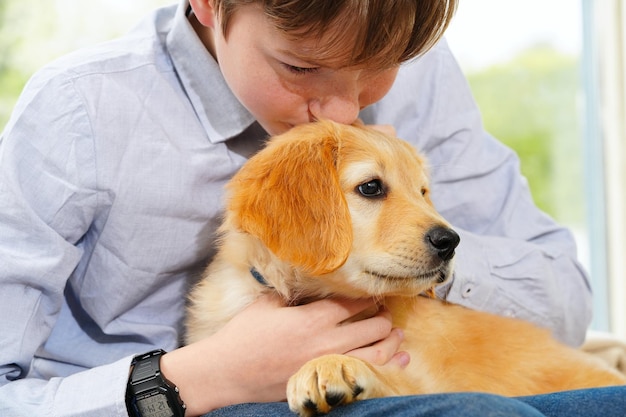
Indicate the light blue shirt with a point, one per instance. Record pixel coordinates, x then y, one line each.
111 174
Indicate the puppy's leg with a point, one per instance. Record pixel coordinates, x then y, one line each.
333 380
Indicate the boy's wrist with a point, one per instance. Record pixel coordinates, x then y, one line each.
193 377
149 393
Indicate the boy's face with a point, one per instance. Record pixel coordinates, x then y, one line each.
284 82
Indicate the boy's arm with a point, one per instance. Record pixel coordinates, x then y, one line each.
97 392
47 202
513 259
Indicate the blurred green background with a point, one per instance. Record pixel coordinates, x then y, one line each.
531 103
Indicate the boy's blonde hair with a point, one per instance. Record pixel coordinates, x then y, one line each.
383 33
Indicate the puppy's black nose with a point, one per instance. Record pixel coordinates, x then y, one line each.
443 240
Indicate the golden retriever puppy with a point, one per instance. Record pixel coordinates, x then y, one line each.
331 210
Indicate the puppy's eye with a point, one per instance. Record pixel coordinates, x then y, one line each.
373 188
424 191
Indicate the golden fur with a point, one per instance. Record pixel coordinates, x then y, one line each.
295 214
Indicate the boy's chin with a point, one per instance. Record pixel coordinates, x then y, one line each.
275 128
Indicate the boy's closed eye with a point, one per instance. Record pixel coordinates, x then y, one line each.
300 70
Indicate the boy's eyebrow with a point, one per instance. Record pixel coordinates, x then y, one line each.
300 57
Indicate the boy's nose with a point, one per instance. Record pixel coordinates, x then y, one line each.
338 108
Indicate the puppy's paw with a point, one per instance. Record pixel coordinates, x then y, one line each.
329 381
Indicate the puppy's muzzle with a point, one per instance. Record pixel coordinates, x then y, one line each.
442 241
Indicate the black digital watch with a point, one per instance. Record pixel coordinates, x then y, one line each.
149 393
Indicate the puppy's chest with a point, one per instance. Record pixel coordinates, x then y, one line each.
424 322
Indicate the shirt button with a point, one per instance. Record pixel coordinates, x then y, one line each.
467 291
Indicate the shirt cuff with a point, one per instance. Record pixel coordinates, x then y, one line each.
97 392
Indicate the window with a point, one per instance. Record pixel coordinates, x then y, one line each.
605 82
555 92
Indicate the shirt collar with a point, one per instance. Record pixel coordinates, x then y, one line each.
219 111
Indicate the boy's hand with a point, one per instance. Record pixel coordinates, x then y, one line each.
252 357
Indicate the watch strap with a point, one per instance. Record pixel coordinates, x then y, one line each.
146 376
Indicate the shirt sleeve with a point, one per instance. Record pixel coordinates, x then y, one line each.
48 200
513 259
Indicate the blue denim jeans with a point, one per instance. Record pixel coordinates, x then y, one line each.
596 402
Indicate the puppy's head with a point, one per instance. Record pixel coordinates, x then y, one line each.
348 207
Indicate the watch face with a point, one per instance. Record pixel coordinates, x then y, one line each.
154 406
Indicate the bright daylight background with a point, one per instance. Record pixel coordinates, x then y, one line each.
522 59
525 72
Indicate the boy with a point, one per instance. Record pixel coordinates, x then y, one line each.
111 175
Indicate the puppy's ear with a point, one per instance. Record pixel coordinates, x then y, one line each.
289 196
